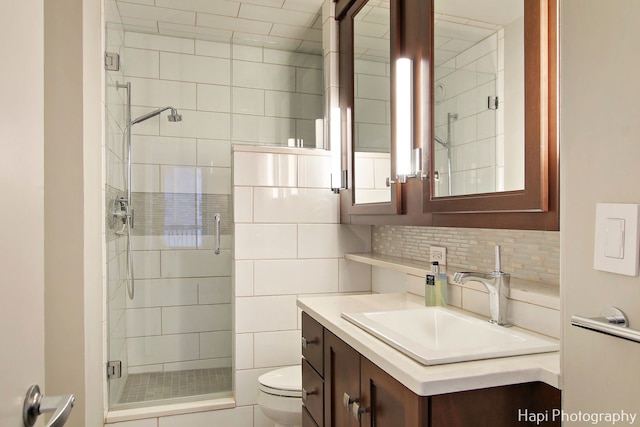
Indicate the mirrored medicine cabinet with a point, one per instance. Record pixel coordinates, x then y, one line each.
484 88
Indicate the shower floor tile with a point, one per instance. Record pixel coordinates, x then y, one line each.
169 385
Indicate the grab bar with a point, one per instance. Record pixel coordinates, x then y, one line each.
216 218
612 321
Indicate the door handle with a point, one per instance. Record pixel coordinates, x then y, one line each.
216 219
35 404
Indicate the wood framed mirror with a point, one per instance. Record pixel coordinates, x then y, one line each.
479 143
368 43
535 205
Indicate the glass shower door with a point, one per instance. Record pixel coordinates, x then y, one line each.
173 337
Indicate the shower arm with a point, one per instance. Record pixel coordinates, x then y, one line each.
174 112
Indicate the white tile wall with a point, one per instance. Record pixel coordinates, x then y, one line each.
288 242
266 241
195 263
269 170
469 78
371 180
199 69
277 348
159 43
213 98
264 76
213 153
311 276
225 417
262 314
295 205
163 349
142 62
164 150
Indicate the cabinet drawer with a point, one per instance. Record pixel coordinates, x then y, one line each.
307 419
312 342
313 392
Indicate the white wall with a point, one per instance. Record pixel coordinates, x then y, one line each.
73 205
599 154
22 308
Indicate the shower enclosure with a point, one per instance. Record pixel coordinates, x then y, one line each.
168 194
169 279
168 234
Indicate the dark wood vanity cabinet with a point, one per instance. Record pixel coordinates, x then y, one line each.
354 392
358 393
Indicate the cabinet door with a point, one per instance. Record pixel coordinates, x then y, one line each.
504 406
342 381
387 403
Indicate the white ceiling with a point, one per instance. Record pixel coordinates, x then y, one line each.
294 25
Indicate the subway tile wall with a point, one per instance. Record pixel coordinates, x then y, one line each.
372 98
373 169
465 82
288 242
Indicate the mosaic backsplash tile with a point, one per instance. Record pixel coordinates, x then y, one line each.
528 255
157 214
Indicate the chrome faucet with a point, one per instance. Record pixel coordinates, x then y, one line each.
497 283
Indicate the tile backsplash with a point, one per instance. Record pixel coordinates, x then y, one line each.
527 255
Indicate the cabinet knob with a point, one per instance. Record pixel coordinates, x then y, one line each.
306 393
357 410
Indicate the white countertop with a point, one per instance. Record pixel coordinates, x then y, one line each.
425 380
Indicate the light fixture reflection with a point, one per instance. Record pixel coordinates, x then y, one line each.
335 141
404 118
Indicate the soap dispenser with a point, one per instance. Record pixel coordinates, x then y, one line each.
435 290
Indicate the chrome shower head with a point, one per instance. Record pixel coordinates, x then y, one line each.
441 141
174 116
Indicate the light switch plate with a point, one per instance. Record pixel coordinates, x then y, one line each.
437 253
617 242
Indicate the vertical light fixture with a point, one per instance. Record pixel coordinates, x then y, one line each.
335 141
404 118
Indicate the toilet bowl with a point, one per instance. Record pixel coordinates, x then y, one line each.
280 396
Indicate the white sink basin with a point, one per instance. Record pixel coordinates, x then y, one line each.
436 335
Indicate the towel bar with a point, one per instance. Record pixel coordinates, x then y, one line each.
612 321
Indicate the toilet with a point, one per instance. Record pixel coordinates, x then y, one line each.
280 396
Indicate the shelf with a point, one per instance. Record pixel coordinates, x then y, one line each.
402 265
542 294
